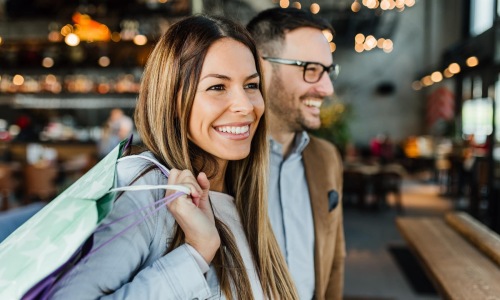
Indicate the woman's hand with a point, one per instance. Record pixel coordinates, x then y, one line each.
194 213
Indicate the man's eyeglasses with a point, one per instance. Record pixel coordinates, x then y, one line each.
312 70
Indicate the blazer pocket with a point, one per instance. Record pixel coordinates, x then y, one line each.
333 200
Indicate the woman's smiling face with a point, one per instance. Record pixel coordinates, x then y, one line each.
228 103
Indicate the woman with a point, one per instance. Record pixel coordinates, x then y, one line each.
201 113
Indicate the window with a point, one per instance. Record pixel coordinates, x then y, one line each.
481 18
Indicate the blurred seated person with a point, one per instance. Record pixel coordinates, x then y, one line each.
118 127
382 148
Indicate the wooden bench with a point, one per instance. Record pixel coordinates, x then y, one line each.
460 255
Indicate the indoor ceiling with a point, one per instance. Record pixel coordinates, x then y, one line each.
338 12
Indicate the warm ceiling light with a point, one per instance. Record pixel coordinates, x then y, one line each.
359 48
454 68
48 62
67 29
297 5
140 40
50 79
472 61
436 76
426 81
360 38
54 36
72 40
370 4
416 85
333 47
328 34
388 50
409 3
385 4
315 8
104 61
447 73
284 3
371 41
380 43
18 79
388 44
355 6
115 37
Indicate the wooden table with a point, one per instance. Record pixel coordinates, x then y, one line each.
458 268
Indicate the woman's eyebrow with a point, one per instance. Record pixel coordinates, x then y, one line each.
253 76
225 77
219 76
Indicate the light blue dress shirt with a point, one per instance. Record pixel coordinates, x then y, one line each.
291 213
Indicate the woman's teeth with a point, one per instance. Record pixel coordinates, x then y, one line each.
234 129
313 103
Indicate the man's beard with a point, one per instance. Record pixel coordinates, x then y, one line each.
284 105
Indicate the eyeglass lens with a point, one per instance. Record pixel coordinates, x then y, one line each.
313 72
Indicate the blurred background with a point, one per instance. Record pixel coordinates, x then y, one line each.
414 112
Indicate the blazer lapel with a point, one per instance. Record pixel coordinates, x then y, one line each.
316 178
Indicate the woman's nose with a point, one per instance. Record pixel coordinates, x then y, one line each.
241 103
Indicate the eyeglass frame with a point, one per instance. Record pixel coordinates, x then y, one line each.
334 68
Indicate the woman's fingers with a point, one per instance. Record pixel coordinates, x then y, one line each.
195 215
204 184
203 181
186 179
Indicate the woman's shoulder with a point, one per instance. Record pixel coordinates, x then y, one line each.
140 166
142 171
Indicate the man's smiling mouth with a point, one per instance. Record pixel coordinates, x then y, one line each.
313 102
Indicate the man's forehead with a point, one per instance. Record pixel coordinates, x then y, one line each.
306 39
304 34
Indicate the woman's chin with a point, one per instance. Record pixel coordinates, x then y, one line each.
235 156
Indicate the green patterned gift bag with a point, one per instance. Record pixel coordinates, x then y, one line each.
37 249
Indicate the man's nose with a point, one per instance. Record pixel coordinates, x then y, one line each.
325 85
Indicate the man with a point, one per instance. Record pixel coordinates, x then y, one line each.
306 172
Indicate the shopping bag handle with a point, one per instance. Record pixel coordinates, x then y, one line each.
181 190
163 169
175 187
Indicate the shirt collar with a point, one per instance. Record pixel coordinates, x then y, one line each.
299 144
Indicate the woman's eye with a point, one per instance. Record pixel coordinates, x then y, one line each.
218 87
254 86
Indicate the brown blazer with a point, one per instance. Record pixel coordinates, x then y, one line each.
323 168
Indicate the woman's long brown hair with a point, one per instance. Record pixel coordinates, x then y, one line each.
171 73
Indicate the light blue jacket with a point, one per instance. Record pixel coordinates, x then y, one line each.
134 265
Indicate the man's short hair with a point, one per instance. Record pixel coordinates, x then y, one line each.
269 27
